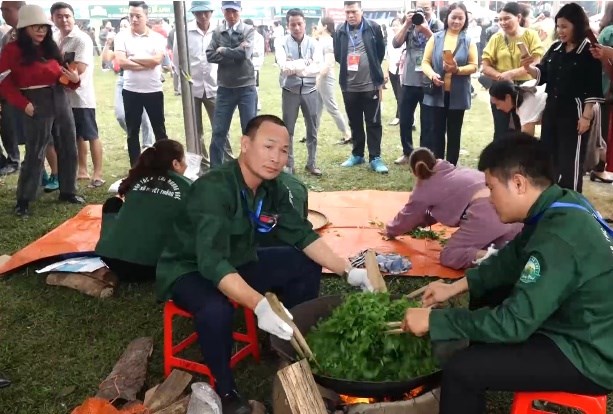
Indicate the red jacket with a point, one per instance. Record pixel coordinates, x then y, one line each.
23 76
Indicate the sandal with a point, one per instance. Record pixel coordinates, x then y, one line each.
96 183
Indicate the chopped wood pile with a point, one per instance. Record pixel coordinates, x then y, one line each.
119 393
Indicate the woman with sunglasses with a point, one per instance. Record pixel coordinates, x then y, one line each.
36 85
502 58
136 223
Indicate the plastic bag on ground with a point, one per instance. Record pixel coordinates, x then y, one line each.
204 400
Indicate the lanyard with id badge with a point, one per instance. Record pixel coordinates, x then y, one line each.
353 59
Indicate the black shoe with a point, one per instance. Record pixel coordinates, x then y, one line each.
9 169
4 383
303 139
71 198
22 208
595 177
233 403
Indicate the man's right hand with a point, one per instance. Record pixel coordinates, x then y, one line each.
437 293
269 321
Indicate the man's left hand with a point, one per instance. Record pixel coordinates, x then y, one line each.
416 321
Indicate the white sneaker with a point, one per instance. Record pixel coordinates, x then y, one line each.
395 121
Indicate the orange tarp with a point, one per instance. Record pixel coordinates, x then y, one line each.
351 214
349 232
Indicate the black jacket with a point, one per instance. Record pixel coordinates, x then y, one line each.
372 36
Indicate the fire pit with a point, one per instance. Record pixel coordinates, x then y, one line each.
306 315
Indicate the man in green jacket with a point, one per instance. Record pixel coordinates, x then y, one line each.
541 314
212 255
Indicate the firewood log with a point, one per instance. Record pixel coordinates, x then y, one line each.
128 375
82 283
169 390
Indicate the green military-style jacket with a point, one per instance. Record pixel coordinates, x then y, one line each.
561 270
137 233
215 232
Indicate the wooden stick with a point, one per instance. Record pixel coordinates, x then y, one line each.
394 332
416 292
393 324
373 272
301 343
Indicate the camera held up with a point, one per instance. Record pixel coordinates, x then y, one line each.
419 17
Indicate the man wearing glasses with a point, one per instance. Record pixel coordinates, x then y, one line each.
212 255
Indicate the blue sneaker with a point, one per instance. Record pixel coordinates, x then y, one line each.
45 179
52 184
378 166
353 161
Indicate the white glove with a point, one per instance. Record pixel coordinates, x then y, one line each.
491 251
359 278
269 321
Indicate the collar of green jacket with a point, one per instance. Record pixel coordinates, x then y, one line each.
546 199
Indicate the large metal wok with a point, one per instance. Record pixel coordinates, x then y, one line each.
307 314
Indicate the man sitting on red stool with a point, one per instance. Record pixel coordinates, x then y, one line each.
540 310
212 255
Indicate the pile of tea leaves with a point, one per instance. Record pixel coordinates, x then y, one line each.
351 344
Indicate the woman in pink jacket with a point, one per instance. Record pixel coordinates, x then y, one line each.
455 197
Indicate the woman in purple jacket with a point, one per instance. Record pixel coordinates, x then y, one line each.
455 197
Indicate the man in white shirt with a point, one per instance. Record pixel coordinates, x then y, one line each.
203 72
72 41
299 58
259 51
140 52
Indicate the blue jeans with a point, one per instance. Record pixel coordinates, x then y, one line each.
283 270
245 98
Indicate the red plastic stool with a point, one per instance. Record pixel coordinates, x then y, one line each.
171 350
589 404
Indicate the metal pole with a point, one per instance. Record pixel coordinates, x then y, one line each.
189 116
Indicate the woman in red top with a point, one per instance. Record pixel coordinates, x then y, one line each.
36 85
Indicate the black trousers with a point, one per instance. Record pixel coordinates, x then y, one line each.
504 122
534 365
447 122
283 270
412 96
397 88
134 103
364 108
568 149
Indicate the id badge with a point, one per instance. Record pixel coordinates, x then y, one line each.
418 61
353 62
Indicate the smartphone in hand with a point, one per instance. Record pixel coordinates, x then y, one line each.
523 49
448 57
68 59
592 37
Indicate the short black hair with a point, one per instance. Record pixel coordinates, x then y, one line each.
140 4
293 13
255 123
518 153
60 5
248 21
352 2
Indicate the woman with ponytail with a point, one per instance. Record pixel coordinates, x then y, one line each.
136 223
454 197
525 104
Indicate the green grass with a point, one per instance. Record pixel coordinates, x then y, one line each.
57 345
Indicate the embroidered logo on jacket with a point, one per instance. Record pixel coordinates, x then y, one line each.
532 271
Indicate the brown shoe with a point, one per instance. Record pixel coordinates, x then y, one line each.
404 160
313 171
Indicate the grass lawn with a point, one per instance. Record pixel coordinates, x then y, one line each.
57 345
